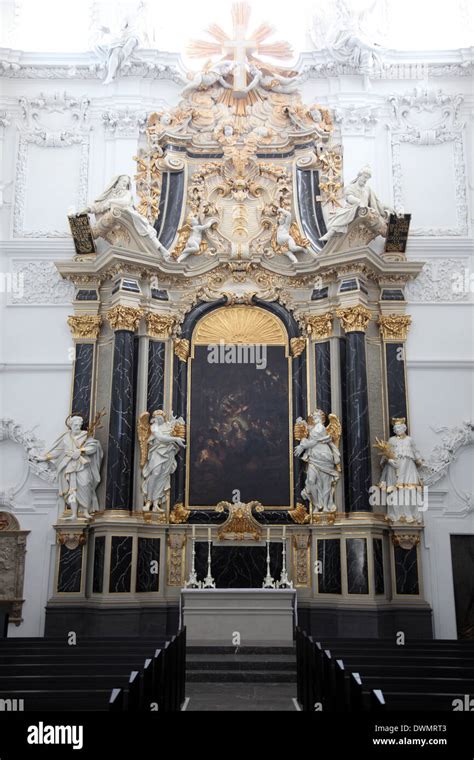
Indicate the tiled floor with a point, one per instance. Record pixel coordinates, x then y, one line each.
255 697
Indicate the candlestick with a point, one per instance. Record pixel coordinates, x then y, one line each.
284 581
209 580
192 581
268 582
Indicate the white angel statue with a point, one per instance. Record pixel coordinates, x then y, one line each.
285 236
159 441
193 232
319 447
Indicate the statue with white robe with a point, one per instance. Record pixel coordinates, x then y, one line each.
77 457
319 448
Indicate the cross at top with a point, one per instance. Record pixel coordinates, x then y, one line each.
239 48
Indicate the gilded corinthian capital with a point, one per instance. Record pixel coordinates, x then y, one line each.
124 317
354 318
85 326
319 326
159 325
394 326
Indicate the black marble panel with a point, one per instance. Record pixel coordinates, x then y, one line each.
397 395
358 433
70 569
311 214
462 556
98 568
120 564
344 441
239 566
171 201
392 294
357 574
82 388
156 375
319 294
122 423
379 583
207 517
406 570
159 295
87 295
148 560
329 555
323 376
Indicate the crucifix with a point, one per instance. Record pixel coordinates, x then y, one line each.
238 47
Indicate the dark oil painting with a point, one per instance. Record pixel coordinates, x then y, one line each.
239 430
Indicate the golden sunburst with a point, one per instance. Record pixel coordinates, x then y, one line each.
240 324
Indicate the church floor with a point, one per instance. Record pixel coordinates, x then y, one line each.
245 697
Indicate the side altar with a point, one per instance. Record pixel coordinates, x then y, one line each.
240 367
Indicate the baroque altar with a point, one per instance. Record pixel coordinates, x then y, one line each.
239 335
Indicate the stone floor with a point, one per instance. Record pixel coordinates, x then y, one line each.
246 697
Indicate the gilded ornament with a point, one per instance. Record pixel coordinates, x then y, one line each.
124 317
181 348
159 325
394 326
240 525
297 346
85 326
319 326
406 540
300 514
179 514
354 318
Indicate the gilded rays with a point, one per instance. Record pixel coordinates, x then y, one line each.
240 324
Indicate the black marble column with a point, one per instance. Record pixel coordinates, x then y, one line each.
396 387
122 422
156 375
82 386
323 376
357 416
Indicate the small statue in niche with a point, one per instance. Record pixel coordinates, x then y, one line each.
319 447
194 230
360 201
400 474
77 457
115 202
159 441
285 236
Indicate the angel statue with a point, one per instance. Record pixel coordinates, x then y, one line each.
360 201
196 230
211 74
319 447
286 239
159 440
117 202
400 474
272 81
77 457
